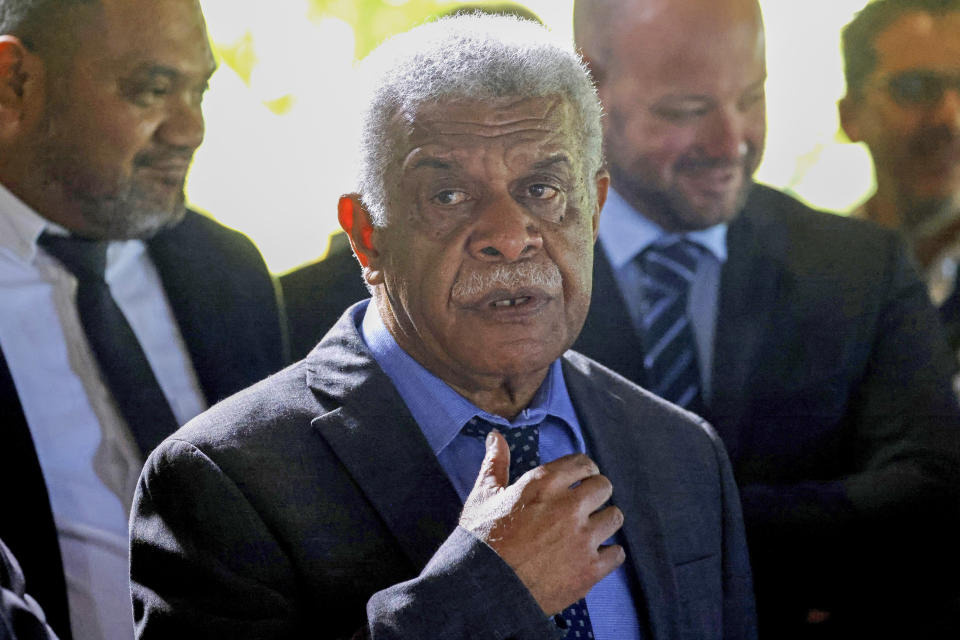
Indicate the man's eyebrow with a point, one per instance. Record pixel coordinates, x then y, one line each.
434 163
160 70
557 158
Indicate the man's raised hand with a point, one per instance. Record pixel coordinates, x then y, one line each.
549 532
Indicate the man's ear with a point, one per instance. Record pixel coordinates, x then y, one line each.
603 186
20 74
357 223
849 110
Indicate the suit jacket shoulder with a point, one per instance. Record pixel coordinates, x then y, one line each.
316 294
222 296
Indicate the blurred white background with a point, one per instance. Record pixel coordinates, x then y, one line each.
280 111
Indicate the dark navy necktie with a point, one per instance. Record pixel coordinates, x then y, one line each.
670 351
524 443
119 355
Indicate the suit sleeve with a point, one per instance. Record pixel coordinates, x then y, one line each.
902 431
204 561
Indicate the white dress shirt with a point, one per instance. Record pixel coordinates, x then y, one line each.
88 456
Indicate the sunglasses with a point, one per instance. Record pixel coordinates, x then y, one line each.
920 88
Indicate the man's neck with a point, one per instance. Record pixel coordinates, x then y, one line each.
506 397
501 394
929 225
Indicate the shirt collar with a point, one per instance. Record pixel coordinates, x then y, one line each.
626 232
440 411
20 226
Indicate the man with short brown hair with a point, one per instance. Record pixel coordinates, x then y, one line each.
903 101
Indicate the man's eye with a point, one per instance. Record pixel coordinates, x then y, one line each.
449 197
145 94
542 191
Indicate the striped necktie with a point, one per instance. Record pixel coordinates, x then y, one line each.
670 351
524 443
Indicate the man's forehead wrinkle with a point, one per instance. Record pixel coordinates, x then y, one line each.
486 129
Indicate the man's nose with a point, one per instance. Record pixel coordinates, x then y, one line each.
183 125
947 110
504 231
724 135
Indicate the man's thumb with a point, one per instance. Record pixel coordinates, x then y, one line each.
495 469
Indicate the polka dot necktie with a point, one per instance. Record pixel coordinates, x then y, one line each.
524 443
670 352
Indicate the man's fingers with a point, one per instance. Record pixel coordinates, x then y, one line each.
606 522
609 558
495 468
568 470
593 492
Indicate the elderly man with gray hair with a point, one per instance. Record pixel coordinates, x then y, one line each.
440 465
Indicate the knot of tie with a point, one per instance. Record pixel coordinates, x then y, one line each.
670 268
524 443
85 259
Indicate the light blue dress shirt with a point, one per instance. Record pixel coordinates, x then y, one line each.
441 413
625 233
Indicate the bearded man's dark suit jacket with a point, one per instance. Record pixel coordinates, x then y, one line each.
226 306
830 392
311 503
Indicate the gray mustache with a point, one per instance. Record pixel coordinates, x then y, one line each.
514 276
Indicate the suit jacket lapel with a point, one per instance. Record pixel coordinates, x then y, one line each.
380 444
603 418
608 335
749 283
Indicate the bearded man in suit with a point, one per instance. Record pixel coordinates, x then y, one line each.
119 309
805 338
366 490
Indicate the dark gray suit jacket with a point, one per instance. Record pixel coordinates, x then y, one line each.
831 393
222 296
311 503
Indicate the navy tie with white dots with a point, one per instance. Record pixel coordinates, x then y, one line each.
524 445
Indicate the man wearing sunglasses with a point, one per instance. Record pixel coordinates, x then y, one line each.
903 101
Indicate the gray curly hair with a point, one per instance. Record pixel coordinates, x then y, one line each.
471 57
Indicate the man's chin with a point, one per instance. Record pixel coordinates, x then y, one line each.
702 211
123 220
